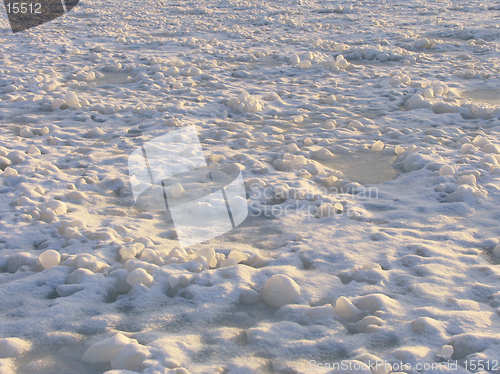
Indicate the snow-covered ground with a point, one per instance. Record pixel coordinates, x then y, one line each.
368 137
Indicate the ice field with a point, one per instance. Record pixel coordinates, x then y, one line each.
367 135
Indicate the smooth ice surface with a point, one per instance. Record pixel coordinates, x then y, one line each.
483 95
364 168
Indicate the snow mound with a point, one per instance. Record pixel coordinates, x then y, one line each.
245 103
414 161
377 146
377 302
468 343
129 357
7 366
130 250
280 290
378 366
465 192
323 154
347 310
90 262
104 351
446 352
369 273
71 99
13 347
411 354
19 260
49 259
447 170
140 276
368 324
416 102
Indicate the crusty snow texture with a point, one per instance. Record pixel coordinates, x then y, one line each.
367 134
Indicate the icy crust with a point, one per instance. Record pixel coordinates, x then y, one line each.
327 267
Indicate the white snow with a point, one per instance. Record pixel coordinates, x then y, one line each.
71 99
129 357
245 103
367 137
177 190
280 290
446 170
139 276
414 161
49 259
347 310
446 352
377 146
13 347
105 350
352 367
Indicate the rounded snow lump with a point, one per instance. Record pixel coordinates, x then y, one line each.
71 99
446 170
377 146
26 133
103 352
280 290
129 357
399 150
347 310
49 259
177 191
416 102
323 154
140 275
414 162
446 352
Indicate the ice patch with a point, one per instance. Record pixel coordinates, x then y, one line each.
364 168
483 95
